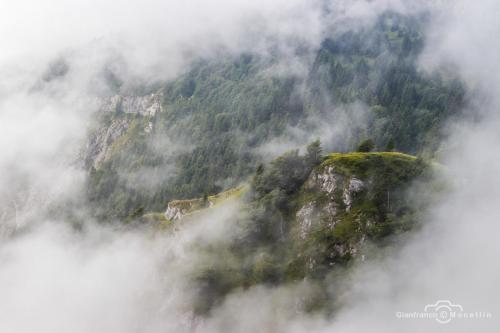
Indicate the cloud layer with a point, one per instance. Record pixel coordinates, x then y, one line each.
55 280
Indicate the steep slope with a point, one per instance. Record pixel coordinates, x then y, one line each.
303 220
201 133
353 198
326 216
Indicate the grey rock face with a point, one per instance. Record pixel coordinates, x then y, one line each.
305 216
355 186
174 213
100 142
144 105
328 181
340 191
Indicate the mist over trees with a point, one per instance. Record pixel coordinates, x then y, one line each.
226 109
249 166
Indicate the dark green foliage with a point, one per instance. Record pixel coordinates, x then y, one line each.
222 110
391 145
286 173
212 284
366 146
313 154
275 186
378 66
270 250
232 109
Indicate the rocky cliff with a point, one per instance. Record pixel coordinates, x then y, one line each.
351 198
115 117
304 219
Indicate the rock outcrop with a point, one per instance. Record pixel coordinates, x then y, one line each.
178 209
355 186
340 191
102 138
144 105
346 200
174 213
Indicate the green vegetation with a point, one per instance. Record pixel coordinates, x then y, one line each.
191 206
275 248
306 213
361 164
288 172
223 110
366 146
158 219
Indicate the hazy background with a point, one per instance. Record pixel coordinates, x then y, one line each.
109 279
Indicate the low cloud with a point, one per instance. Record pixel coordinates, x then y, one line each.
339 129
53 279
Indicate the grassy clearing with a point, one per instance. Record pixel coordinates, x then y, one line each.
363 164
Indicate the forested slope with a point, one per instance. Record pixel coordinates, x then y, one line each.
201 133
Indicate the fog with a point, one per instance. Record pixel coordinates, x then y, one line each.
153 37
454 256
123 279
337 129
